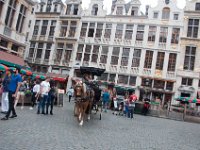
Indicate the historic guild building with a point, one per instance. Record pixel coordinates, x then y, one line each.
14 20
141 52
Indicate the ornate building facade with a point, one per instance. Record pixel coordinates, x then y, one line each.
140 52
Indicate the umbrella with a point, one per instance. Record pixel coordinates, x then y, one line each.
3 68
38 76
26 72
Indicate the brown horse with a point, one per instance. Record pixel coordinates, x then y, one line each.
84 99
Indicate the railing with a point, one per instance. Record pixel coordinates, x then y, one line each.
123 69
103 66
118 41
138 43
38 60
7 31
146 72
135 70
162 45
82 39
171 74
97 41
105 41
127 42
113 68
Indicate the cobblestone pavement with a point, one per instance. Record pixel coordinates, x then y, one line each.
61 131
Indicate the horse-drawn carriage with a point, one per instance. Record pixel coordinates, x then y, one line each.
87 94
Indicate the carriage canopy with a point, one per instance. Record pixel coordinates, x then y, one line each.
92 70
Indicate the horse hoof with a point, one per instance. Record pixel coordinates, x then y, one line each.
81 123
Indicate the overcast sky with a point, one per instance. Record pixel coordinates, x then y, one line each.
107 3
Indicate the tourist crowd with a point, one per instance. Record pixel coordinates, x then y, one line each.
14 87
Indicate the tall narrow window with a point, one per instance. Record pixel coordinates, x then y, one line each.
94 10
49 4
31 50
197 6
10 13
148 59
140 33
134 11
39 50
129 32
63 30
187 81
112 77
152 33
172 62
132 81
52 28
160 60
136 58
87 53
99 30
108 30
72 30
84 29
166 13
175 35
1 6
176 16
119 31
41 8
55 8
47 51
189 58
79 52
75 12
69 7
104 54
115 55
95 53
44 27
68 53
91 30
119 11
155 15
193 28
163 34
59 52
125 56
36 27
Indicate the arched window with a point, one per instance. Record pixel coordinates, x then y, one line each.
95 9
165 13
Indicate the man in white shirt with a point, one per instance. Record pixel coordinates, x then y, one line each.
36 92
44 90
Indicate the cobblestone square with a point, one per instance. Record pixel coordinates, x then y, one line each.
61 131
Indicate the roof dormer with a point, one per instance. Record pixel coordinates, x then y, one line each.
73 7
133 8
96 8
119 8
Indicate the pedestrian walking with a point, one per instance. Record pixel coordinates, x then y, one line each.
70 93
131 105
35 95
51 98
44 90
4 87
105 99
13 88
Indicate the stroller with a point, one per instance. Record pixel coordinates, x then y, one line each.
118 107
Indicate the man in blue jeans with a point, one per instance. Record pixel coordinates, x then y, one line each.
44 91
13 88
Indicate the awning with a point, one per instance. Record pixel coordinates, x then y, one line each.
11 60
26 72
188 100
58 77
3 67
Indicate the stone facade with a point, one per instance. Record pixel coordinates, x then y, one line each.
14 20
140 52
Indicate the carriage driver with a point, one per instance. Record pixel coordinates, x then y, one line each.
87 78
